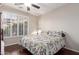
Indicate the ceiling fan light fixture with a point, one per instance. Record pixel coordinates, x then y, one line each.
27 4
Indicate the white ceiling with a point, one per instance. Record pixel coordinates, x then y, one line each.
44 8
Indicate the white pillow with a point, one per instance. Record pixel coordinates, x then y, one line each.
36 32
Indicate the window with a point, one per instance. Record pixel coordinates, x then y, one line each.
7 31
7 28
14 29
15 25
20 28
25 26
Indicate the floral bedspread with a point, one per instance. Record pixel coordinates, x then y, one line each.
42 44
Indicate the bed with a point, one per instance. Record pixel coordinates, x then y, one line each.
46 43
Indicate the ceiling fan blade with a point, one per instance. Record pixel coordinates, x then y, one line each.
36 6
19 3
0 3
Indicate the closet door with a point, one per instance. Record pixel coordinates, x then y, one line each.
0 33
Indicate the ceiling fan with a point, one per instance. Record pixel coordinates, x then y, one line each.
28 6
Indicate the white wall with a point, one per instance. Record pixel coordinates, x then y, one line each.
32 24
65 18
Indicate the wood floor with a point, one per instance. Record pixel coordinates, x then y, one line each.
19 50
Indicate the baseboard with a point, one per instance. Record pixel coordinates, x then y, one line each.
10 44
71 49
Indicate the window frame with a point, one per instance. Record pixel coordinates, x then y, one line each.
26 19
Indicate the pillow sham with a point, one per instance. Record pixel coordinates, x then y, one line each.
54 33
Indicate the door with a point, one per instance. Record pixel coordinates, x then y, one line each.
0 33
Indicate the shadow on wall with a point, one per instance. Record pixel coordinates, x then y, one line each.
68 39
70 43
